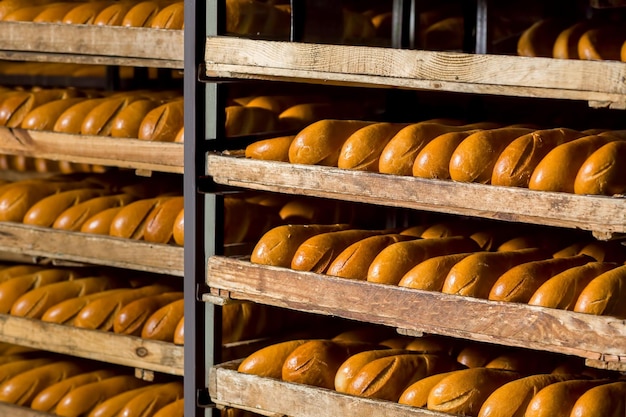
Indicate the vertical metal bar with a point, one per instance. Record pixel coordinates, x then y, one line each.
482 33
399 29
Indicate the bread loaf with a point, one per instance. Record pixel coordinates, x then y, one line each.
563 289
551 175
34 303
602 43
603 401
100 223
112 15
393 262
474 159
160 221
354 261
268 361
111 406
519 283
417 393
82 399
162 323
464 391
147 403
130 221
304 114
20 197
84 13
431 273
131 318
604 171
241 121
11 369
45 211
317 253
512 398
539 39
274 149
519 159
23 387
65 311
15 107
47 399
475 275
18 270
477 355
127 122
566 44
362 149
170 17
100 312
351 367
559 398
178 232
74 217
254 17
604 294
162 123
173 409
433 161
71 120
45 116
179 332
99 120
141 14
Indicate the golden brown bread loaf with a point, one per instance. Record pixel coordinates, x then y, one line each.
99 120
170 17
141 14
320 143
519 159
566 44
433 161
386 378
162 123
45 211
300 115
100 223
316 362
10 369
559 398
268 361
131 318
14 288
475 275
18 270
130 221
173 409
351 367
539 39
18 104
84 13
160 221
127 122
180 136
84 398
113 15
430 274
66 311
274 149
475 157
602 43
71 120
23 387
519 283
417 393
47 399
317 253
562 290
243 120
552 175
100 312
44 117
464 391
605 400
147 403
74 217
393 262
111 406
512 398
34 303
179 332
604 294
354 261
255 17
178 232
362 149
476 355
162 323
604 171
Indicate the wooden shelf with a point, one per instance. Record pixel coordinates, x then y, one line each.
592 337
93 344
602 215
17 411
99 150
93 249
602 83
273 397
92 44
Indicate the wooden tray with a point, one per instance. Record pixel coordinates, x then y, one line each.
273 397
602 215
92 44
596 338
93 344
99 150
89 248
17 411
602 83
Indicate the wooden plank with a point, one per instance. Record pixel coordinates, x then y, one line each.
35 56
94 40
512 324
17 411
93 249
272 397
93 344
604 215
100 150
445 71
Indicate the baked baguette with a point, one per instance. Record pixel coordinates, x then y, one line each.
45 211
11 369
65 311
603 401
477 355
130 221
15 107
173 409
127 122
519 283
162 123
475 275
539 39
351 367
141 14
100 223
602 43
71 120
170 17
604 295
99 120
113 15
268 361
84 13
131 318
179 332
111 406
562 290
16 200
362 149
566 44
393 262
160 221
178 230
45 116
74 217
274 149
433 160
243 120
558 399
162 323
417 393
604 171
430 274
147 403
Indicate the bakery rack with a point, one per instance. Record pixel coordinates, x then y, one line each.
220 60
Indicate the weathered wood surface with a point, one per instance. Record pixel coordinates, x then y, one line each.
604 215
93 344
11 410
99 150
95 249
601 81
512 324
272 397
95 44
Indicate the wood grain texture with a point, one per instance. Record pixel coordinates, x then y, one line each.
387 67
93 344
596 213
100 150
100 42
272 397
17 411
94 249
512 324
